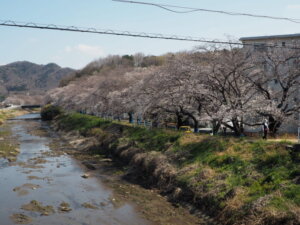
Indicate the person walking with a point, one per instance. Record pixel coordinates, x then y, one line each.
265 129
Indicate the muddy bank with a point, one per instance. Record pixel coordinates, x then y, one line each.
9 149
9 146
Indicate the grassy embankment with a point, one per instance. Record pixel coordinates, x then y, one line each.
234 180
8 149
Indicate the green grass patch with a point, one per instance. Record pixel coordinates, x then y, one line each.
292 192
152 139
149 139
81 122
259 167
278 203
204 151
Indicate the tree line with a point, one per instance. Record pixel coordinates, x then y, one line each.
229 87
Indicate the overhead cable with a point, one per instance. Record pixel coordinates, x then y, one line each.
10 23
184 9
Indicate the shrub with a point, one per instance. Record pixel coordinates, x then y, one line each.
48 112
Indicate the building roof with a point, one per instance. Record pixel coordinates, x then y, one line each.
284 36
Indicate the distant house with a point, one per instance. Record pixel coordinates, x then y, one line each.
261 43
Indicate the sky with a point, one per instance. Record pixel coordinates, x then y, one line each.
75 50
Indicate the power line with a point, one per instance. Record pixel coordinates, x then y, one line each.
190 10
9 23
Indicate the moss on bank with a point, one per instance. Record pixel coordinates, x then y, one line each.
10 113
8 147
235 180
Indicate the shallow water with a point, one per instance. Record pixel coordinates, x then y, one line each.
29 116
59 179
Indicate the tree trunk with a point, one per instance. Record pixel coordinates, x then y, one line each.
237 128
216 126
179 122
130 117
274 125
196 123
196 126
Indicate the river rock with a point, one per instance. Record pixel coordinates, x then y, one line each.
64 207
85 176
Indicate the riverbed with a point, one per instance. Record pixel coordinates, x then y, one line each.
45 185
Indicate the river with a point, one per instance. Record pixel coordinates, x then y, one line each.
45 185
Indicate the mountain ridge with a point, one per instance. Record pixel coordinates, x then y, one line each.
24 77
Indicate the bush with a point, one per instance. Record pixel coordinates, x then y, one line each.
48 112
81 122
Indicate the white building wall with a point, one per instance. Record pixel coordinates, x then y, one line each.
292 125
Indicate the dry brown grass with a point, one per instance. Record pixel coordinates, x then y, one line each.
7 113
244 153
295 140
238 200
206 173
191 138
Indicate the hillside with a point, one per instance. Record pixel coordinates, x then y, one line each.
113 65
21 78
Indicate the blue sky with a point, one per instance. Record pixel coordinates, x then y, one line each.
76 50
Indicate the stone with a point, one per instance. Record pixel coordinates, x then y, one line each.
85 176
64 207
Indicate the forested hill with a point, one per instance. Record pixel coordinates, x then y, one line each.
113 66
26 77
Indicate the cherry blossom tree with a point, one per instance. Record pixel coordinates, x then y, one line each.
230 97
